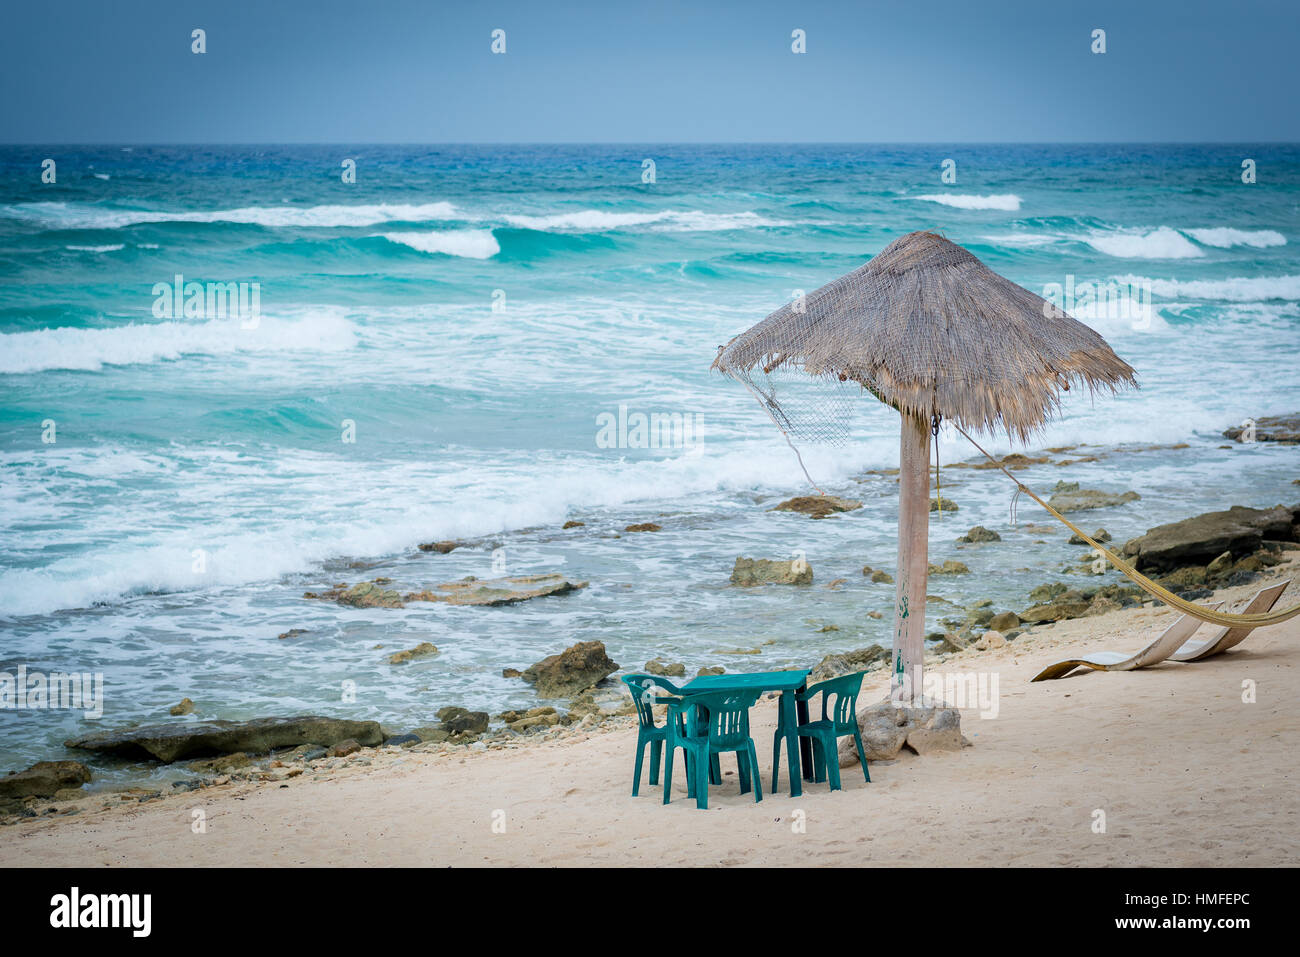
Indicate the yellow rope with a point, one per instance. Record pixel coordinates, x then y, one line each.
1146 584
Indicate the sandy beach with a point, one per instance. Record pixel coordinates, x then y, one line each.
1185 771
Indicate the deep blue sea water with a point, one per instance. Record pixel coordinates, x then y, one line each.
474 312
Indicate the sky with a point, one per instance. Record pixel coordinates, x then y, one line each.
423 71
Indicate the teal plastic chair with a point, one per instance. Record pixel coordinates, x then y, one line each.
722 726
839 718
648 733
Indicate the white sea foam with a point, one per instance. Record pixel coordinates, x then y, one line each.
92 349
1004 201
1240 289
690 220
101 176
1161 243
1225 237
111 248
71 216
470 243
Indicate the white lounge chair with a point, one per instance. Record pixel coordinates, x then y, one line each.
1232 635
1173 637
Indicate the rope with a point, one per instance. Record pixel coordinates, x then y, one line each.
784 435
1146 584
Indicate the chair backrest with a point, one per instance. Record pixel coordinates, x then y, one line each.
840 700
728 719
642 688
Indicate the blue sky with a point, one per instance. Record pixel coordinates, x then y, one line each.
654 71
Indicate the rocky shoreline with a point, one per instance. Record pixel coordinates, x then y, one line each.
1191 557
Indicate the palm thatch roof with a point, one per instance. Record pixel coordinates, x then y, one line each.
930 330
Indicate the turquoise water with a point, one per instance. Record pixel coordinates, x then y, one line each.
175 438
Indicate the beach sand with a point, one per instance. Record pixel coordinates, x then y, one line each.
1185 772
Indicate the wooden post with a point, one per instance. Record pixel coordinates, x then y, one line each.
913 559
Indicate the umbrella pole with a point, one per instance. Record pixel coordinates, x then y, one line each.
913 559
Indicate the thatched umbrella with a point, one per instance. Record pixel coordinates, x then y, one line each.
930 330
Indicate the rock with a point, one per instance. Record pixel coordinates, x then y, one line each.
343 748
572 671
950 567
989 640
497 591
1048 591
1202 538
950 642
1068 497
184 706
848 662
511 673
657 666
43 779
711 670
1004 621
457 720
878 576
836 583
643 527
571 523
403 739
818 506
886 729
1183 577
1054 611
1101 606
761 571
980 534
363 595
423 650
223 764
442 548
1100 535
522 721
946 505
171 742
431 735
1284 429
292 633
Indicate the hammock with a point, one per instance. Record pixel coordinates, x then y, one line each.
1146 584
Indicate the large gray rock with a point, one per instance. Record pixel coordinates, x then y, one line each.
818 506
171 742
1203 538
1271 428
44 778
886 730
762 571
1068 497
848 662
572 671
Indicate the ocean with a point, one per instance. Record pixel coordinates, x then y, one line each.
458 346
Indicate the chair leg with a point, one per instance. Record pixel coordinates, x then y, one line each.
636 774
862 756
702 782
831 759
742 769
668 774
715 770
754 772
819 763
656 752
776 757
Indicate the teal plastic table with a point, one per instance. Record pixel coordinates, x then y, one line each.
798 755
